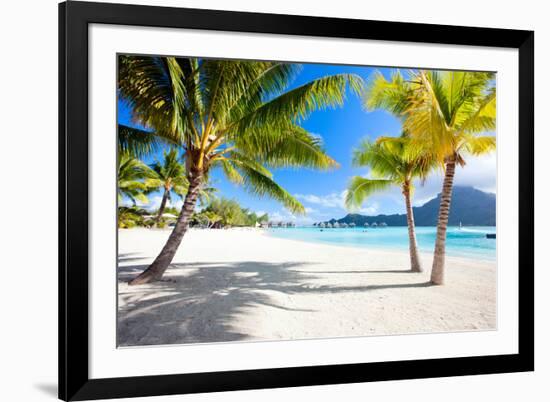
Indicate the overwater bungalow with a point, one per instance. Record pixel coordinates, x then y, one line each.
336 225
321 225
374 224
383 224
366 224
329 225
344 225
352 225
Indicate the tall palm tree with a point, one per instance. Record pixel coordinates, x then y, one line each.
391 163
449 113
131 176
169 177
233 115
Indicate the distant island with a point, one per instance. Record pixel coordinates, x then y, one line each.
469 206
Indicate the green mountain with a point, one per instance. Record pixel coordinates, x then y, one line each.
470 206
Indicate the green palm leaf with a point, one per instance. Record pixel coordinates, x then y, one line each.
360 188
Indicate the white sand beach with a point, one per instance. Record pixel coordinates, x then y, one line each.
243 285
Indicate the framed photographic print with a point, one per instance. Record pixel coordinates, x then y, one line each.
258 201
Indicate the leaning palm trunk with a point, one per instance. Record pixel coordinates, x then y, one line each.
438 267
413 249
162 206
163 260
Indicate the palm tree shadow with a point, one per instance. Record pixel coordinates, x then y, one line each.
129 257
202 305
381 271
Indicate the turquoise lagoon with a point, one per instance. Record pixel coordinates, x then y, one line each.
468 242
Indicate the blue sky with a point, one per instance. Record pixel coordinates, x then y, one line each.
341 129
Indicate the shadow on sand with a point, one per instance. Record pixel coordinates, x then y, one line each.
201 304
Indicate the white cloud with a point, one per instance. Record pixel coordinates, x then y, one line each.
372 209
332 200
335 200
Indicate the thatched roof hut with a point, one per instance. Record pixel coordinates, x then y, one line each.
374 224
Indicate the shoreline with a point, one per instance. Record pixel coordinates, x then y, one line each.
244 285
265 232
387 249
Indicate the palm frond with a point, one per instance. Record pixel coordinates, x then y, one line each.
479 145
138 143
145 84
296 104
360 188
261 184
381 158
288 147
391 95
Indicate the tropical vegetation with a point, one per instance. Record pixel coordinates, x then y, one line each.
236 116
224 212
169 176
131 175
446 113
392 162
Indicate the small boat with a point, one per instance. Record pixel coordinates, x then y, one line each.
491 235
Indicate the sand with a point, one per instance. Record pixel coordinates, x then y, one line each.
243 285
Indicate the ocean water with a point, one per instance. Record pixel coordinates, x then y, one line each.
468 242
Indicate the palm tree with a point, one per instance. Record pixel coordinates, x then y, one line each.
449 113
232 115
392 163
131 175
212 218
170 177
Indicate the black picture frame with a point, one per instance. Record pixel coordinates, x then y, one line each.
74 18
